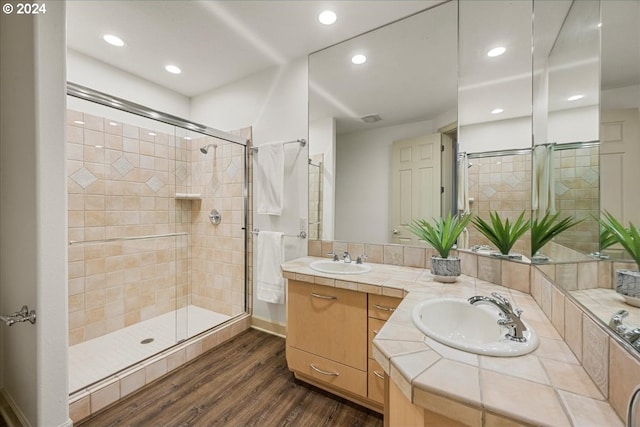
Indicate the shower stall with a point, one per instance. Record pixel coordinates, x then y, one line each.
157 217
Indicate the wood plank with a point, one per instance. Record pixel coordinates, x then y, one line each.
244 382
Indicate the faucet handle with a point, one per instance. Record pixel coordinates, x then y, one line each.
361 259
616 320
333 255
502 299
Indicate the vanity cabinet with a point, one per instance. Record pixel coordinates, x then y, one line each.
329 334
379 310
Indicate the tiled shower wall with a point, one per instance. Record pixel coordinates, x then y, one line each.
502 184
577 189
218 251
315 196
122 182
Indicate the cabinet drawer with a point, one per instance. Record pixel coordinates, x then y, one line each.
329 372
375 384
374 327
382 307
329 322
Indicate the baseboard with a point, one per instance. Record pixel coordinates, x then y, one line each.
269 326
10 413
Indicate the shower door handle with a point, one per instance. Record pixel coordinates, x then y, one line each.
24 315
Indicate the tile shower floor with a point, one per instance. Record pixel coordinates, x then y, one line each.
92 360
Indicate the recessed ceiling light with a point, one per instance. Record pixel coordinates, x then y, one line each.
327 17
113 40
359 59
497 111
78 122
496 51
173 69
575 97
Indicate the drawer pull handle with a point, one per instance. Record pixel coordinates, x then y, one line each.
383 308
313 294
333 374
378 374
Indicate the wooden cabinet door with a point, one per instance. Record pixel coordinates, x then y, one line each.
328 322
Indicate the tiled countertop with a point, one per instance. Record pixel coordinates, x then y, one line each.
545 387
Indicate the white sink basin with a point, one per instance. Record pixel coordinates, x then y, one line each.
339 267
472 328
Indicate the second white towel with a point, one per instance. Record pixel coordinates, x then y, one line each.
269 257
269 182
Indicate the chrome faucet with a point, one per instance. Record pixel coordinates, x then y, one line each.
361 259
632 336
346 257
509 317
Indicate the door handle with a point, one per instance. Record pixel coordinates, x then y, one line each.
24 315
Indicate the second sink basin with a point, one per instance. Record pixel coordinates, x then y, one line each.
458 324
339 267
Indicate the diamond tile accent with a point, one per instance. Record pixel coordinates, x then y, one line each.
155 183
122 165
232 169
181 173
561 188
590 176
512 180
83 177
489 191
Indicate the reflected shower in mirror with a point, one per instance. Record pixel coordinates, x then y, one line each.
494 111
405 93
565 171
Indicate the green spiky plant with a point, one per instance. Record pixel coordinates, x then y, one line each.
628 238
442 234
503 234
606 238
548 227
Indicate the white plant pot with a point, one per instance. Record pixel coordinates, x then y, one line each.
445 270
628 285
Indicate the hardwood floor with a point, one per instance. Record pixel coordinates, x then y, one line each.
244 382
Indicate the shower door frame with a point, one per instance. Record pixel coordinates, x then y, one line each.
113 102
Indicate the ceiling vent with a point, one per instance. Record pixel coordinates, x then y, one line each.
371 118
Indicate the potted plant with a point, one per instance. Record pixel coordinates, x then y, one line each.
545 229
442 235
503 234
627 281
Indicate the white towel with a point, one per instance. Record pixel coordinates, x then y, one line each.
270 256
463 184
543 192
269 182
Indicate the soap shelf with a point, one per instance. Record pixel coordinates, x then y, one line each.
188 196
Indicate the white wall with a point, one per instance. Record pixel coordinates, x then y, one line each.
33 248
103 77
574 125
496 135
363 181
322 140
274 102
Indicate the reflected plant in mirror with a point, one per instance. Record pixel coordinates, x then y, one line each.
546 228
627 281
503 233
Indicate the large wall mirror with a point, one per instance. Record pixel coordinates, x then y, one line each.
574 102
402 102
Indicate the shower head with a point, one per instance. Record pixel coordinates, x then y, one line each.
205 149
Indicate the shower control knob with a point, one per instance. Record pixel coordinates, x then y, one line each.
395 232
215 217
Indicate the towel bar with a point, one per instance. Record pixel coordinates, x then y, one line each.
301 235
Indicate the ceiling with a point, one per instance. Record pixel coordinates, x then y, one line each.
217 42
413 72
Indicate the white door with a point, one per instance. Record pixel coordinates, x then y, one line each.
415 184
620 164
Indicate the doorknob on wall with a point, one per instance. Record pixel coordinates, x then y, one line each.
24 315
